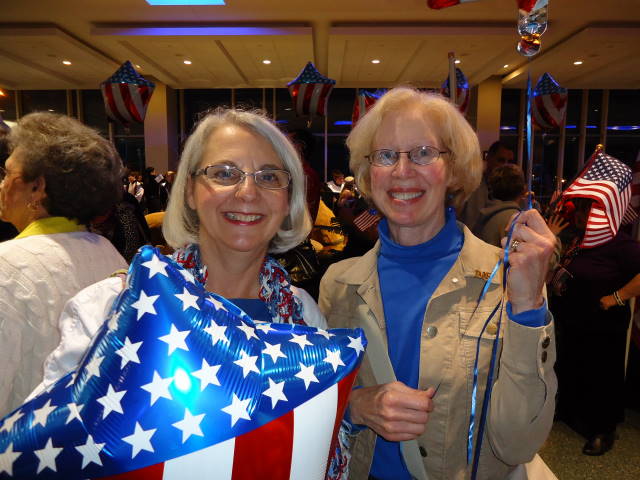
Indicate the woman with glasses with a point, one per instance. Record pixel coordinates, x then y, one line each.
59 176
424 296
238 196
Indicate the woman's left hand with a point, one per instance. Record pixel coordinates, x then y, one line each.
531 247
607 302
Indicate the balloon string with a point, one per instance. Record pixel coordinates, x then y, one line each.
529 144
492 364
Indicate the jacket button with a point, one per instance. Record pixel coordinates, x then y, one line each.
423 451
432 331
492 328
546 342
544 356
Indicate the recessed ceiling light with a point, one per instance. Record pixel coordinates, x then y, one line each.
66 62
138 66
187 62
2 94
457 61
51 110
578 62
266 61
375 60
506 65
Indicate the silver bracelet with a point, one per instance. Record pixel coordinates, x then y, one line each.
616 296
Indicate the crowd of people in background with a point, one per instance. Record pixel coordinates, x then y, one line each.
61 179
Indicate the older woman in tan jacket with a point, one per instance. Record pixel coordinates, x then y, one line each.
418 294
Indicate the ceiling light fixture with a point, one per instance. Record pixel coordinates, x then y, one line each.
266 61
187 62
138 66
2 94
375 60
578 62
457 61
66 62
506 65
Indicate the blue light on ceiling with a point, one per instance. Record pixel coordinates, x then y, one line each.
342 122
185 2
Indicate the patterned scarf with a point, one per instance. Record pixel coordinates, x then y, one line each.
275 287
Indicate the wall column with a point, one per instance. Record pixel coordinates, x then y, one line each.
488 116
161 129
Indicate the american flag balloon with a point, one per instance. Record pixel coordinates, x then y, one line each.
462 91
549 105
364 101
179 383
126 95
606 181
310 91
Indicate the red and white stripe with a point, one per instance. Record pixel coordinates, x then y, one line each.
549 110
126 102
438 4
607 211
366 220
310 98
296 446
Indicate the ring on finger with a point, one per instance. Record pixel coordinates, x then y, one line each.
514 245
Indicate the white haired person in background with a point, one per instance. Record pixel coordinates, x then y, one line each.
59 176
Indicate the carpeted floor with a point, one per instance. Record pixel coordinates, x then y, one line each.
563 453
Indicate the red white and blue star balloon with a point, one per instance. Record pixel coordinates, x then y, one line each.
180 383
126 95
310 91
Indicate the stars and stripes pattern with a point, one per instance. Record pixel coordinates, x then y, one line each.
439 4
126 95
635 185
179 384
607 181
462 91
363 102
367 219
549 105
310 91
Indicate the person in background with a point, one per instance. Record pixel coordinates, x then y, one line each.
592 287
134 187
150 183
498 154
417 295
331 190
59 176
506 188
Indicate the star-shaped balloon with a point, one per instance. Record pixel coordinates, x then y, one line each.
462 91
310 91
126 95
180 383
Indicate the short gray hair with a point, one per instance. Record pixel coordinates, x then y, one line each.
464 164
181 225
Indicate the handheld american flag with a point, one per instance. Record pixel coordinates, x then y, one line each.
607 181
126 95
310 91
549 103
180 383
462 91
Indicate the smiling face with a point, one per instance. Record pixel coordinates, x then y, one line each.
410 196
242 217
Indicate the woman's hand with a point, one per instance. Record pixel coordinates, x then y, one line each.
528 260
607 302
557 224
393 410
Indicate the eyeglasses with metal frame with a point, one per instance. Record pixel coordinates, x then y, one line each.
229 175
421 155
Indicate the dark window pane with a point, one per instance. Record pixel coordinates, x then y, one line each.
131 150
93 112
199 101
248 98
44 100
8 105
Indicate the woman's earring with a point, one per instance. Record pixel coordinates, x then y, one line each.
35 205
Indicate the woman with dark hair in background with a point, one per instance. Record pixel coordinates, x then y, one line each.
59 176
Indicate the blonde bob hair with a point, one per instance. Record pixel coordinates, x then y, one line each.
181 223
464 163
